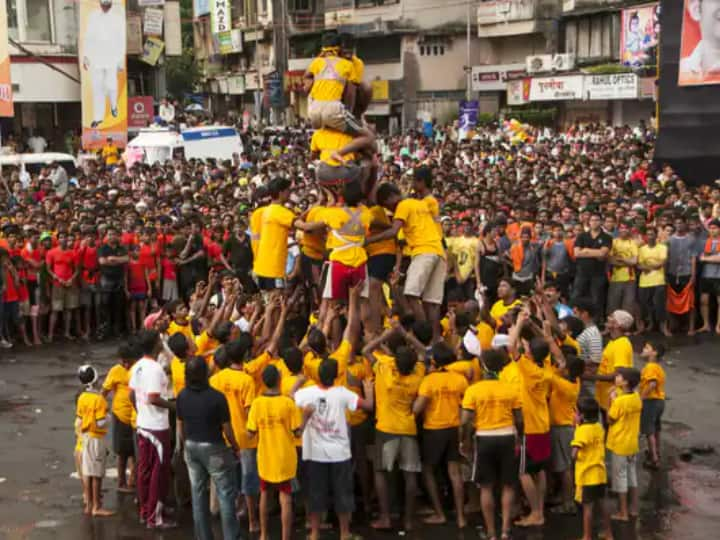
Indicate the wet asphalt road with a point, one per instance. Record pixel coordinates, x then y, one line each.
40 500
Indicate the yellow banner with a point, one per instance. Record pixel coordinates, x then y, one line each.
6 96
380 90
102 50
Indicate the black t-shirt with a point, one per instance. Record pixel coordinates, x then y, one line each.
203 412
586 240
113 272
239 253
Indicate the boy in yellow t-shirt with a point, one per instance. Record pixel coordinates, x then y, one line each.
92 421
652 393
623 441
273 418
623 258
116 382
588 446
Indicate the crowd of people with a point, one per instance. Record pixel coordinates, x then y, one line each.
331 318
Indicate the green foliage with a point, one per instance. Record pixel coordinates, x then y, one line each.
534 117
182 73
607 69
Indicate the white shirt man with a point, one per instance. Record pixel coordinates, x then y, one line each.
166 111
104 56
37 144
148 377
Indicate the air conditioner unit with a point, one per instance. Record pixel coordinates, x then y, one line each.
563 62
539 63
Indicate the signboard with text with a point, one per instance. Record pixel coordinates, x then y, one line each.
614 86
495 77
556 88
140 111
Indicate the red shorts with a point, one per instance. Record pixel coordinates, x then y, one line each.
282 487
340 278
536 452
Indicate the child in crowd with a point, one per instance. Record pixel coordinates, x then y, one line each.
92 422
590 474
168 266
623 441
123 412
652 392
137 288
274 419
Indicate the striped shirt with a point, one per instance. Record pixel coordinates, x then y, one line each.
591 344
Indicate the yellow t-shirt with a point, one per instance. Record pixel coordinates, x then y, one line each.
535 394
464 249
493 402
311 363
177 375
563 401
330 89
624 249
421 231
275 420
272 247
110 154
624 431
444 391
206 347
618 353
345 240
511 374
255 367
239 391
485 334
286 385
653 372
360 370
185 329
499 309
327 141
255 226
92 407
116 382
590 470
394 397
313 243
465 368
384 247
652 255
358 70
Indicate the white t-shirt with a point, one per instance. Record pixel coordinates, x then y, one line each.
148 377
326 438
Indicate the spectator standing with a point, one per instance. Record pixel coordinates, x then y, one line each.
591 252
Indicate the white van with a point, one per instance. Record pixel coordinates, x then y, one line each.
161 144
218 142
32 163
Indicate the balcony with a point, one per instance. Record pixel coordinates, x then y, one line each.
363 15
305 23
568 6
513 17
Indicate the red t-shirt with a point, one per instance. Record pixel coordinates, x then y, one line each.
32 254
23 293
88 259
213 250
11 289
168 269
148 258
128 238
61 262
136 277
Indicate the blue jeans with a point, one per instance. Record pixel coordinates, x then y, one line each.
216 461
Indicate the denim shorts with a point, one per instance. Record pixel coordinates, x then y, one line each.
248 479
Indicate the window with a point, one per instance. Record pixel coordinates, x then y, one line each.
335 5
432 47
375 3
30 20
299 5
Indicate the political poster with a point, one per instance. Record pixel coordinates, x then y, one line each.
152 50
639 35
518 92
103 74
140 111
468 117
6 95
699 56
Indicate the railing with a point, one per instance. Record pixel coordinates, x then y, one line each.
307 22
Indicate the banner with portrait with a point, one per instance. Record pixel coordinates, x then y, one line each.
103 72
6 94
699 61
639 35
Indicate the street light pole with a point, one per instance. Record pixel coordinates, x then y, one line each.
468 68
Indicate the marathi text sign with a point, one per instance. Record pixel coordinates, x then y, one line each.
102 50
153 22
219 16
556 88
614 86
495 78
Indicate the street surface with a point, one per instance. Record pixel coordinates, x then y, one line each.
40 500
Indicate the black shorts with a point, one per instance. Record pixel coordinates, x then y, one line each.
495 461
362 436
710 286
440 446
310 268
330 486
651 416
591 494
381 266
122 438
270 284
